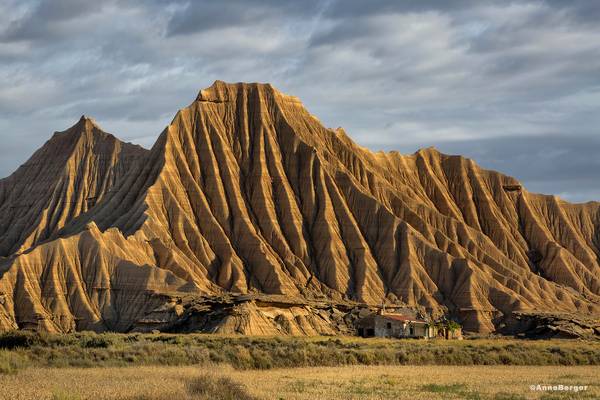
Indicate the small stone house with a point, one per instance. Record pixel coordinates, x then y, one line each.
394 326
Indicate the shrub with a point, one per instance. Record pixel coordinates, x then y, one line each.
208 387
61 395
205 387
91 349
435 388
11 362
93 340
15 339
262 359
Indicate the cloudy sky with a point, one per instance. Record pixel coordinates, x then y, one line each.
514 85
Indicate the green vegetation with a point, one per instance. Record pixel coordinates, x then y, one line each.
414 382
435 388
458 390
87 349
508 396
11 362
61 395
453 326
206 387
223 388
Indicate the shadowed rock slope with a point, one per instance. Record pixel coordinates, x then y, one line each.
245 192
73 171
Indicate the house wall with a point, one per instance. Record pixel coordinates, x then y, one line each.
377 325
445 333
390 328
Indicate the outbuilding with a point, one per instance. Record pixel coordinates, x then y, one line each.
394 326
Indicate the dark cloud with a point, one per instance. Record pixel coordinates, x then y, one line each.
214 14
43 20
587 11
513 85
359 9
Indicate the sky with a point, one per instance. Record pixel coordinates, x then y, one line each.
515 85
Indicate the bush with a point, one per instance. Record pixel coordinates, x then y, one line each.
89 349
60 395
208 387
205 387
15 339
11 362
93 340
435 388
453 326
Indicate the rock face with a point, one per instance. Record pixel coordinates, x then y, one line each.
551 325
246 192
73 171
250 315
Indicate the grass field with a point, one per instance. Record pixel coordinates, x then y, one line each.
317 383
196 366
21 349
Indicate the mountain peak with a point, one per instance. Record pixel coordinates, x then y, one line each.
85 119
221 91
62 179
246 192
88 123
86 127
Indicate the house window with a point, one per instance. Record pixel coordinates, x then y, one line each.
389 325
412 331
370 332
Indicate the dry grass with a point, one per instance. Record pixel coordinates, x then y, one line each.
21 349
196 367
350 382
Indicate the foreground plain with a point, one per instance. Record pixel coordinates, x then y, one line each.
198 366
317 383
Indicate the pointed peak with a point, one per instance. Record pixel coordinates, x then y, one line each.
84 127
87 121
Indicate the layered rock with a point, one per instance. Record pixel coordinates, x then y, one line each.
256 315
246 192
72 172
89 281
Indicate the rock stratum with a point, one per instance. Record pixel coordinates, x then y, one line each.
247 193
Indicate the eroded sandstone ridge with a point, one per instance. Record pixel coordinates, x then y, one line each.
73 171
246 192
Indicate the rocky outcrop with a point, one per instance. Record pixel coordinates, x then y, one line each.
246 192
262 315
550 325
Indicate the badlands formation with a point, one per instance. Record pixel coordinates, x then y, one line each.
248 215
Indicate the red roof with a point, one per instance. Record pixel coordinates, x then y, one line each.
404 318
